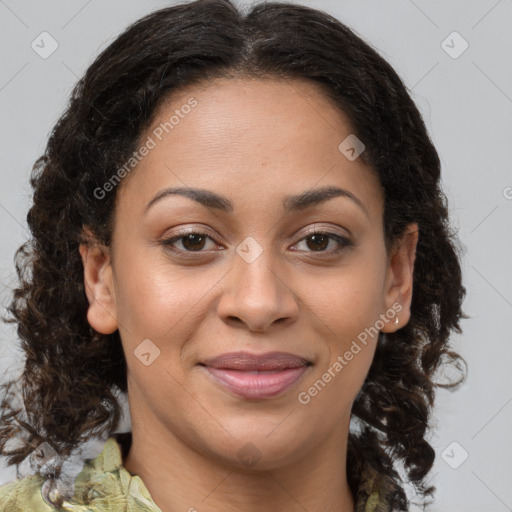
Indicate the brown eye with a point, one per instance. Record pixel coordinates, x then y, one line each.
194 242
190 242
318 242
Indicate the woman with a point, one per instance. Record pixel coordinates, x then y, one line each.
238 221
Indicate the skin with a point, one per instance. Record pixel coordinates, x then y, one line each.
254 142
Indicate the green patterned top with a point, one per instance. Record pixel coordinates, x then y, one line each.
104 485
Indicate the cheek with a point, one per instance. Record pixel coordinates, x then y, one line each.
164 304
153 296
346 313
348 302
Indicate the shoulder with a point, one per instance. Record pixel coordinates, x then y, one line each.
103 485
23 495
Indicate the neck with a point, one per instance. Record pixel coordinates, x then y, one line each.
180 478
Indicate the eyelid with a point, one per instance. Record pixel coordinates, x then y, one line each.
324 230
194 230
209 232
342 240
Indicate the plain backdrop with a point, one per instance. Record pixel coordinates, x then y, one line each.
454 56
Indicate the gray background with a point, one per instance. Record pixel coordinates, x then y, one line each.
467 104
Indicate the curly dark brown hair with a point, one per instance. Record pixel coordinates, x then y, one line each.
68 386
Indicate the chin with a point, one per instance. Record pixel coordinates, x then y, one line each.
261 452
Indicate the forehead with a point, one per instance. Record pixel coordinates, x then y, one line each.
276 113
250 136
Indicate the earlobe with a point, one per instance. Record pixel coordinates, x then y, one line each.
99 288
399 278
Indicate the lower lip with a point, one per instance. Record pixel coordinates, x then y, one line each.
256 386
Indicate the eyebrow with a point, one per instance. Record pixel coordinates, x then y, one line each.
291 204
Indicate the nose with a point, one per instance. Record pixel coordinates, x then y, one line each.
258 294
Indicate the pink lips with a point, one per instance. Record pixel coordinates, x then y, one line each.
256 376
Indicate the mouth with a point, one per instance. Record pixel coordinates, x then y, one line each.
256 376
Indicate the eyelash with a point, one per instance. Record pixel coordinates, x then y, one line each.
342 241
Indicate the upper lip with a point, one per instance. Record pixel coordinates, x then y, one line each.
246 361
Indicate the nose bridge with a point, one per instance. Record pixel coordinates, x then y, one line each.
256 270
257 293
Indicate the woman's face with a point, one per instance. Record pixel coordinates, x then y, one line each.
253 278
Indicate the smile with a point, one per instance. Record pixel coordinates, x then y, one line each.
256 384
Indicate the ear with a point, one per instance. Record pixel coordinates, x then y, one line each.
99 285
399 278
